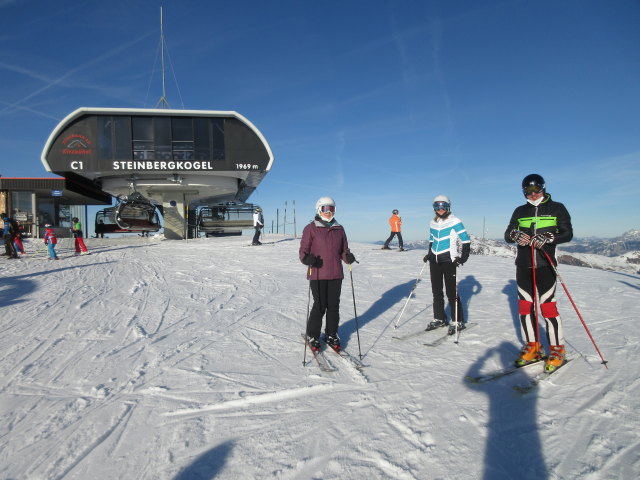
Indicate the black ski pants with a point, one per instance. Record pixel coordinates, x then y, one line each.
443 275
9 248
256 236
326 300
393 234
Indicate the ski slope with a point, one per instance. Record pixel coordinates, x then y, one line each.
156 359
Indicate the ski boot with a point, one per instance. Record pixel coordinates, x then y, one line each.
452 327
333 341
555 359
313 343
531 352
385 247
401 249
436 324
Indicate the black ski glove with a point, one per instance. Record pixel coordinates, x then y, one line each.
429 256
350 258
310 259
464 255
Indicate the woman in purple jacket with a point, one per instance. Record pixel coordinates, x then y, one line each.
323 248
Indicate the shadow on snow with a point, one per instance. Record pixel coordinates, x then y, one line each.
513 448
207 465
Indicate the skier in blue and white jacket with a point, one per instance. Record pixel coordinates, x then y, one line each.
449 247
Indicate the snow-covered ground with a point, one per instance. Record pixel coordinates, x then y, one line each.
182 360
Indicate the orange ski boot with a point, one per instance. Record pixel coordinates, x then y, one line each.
531 352
556 358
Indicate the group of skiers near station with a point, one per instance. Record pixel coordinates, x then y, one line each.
536 227
13 242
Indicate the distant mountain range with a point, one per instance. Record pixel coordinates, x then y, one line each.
619 254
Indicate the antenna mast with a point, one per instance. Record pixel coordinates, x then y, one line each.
163 99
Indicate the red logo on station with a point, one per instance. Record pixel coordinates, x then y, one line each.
76 144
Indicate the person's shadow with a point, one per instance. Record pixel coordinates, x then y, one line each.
511 291
513 448
467 288
207 465
388 299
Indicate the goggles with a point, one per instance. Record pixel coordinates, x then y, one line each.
529 189
441 206
328 208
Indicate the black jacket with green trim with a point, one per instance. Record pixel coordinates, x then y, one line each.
548 216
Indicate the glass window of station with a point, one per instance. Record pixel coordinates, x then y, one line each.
161 138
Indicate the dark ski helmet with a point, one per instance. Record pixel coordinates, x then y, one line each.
395 212
533 183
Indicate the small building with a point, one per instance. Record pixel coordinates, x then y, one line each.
36 201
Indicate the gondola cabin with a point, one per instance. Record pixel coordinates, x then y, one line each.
105 222
225 219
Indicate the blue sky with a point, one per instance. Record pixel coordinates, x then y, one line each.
380 104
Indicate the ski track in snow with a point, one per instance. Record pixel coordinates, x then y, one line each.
161 359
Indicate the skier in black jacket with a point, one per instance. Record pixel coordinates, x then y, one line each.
537 227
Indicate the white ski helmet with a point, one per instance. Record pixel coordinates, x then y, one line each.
440 200
325 201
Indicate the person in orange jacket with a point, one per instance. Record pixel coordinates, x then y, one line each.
395 221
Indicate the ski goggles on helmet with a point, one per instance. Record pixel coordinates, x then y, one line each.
328 208
441 206
529 189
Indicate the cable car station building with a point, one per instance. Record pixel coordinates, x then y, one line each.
177 160
37 201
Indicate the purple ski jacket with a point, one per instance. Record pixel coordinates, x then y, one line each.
329 244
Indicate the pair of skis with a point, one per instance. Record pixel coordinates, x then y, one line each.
532 382
438 340
323 363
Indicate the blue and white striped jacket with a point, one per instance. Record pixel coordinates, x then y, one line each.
446 237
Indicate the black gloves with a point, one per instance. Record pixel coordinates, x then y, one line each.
540 239
521 238
430 255
464 255
309 259
350 258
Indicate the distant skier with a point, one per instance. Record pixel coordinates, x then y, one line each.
258 224
395 222
76 229
9 234
323 247
447 235
540 223
50 240
17 239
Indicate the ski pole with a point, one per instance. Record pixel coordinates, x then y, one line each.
535 292
38 249
455 279
410 294
555 269
306 329
355 312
